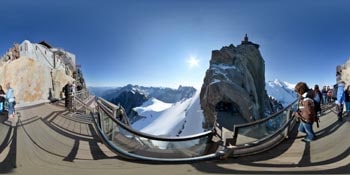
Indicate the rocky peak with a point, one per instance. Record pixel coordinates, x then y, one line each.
236 78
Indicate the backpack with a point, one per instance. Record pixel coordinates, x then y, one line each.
334 92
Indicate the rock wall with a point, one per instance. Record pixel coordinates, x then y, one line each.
236 76
344 72
31 80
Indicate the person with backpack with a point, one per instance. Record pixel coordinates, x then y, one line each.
347 100
317 101
335 92
306 112
68 92
2 99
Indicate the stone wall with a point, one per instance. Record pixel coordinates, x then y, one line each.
30 79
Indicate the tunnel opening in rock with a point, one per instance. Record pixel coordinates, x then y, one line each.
228 114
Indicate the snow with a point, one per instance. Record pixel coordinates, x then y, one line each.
186 117
181 118
223 66
152 105
281 91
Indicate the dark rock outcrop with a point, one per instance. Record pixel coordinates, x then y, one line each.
236 78
130 99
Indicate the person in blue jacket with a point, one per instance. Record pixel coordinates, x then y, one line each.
10 97
340 100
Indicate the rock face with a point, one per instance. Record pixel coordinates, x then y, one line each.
30 80
37 71
130 99
343 72
235 81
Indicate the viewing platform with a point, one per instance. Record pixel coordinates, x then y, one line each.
48 139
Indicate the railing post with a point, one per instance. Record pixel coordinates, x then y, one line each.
286 133
235 135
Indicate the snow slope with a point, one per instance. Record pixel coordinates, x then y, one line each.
186 118
281 91
181 118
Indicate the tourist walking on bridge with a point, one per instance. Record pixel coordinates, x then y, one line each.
10 97
317 99
306 112
347 100
2 99
68 90
340 100
324 95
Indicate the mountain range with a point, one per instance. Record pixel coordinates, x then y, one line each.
173 112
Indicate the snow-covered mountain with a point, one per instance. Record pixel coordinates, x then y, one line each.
185 116
281 91
167 95
178 119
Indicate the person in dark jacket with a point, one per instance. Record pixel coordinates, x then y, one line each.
306 112
2 99
67 90
317 99
324 95
347 100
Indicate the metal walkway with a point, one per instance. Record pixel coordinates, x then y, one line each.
49 140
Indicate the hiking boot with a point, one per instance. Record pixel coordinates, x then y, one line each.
306 140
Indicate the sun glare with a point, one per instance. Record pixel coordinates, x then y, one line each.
193 62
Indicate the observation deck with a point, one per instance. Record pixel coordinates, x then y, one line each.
48 139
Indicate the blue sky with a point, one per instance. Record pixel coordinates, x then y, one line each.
150 42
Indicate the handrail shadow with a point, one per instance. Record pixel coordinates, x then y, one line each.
10 140
48 120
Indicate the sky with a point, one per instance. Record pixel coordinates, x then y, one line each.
168 43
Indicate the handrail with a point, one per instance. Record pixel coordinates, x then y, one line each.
110 122
113 109
240 126
129 155
132 144
264 119
83 104
154 137
265 139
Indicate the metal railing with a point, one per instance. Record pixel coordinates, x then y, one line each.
81 102
261 135
133 144
114 129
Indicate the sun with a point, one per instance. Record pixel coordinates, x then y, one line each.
193 62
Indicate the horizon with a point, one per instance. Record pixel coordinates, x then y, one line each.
169 43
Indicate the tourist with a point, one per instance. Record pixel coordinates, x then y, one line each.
10 97
317 99
2 99
73 88
340 100
324 95
329 95
347 100
306 111
67 90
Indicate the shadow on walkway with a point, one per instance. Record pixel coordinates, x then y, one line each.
10 142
